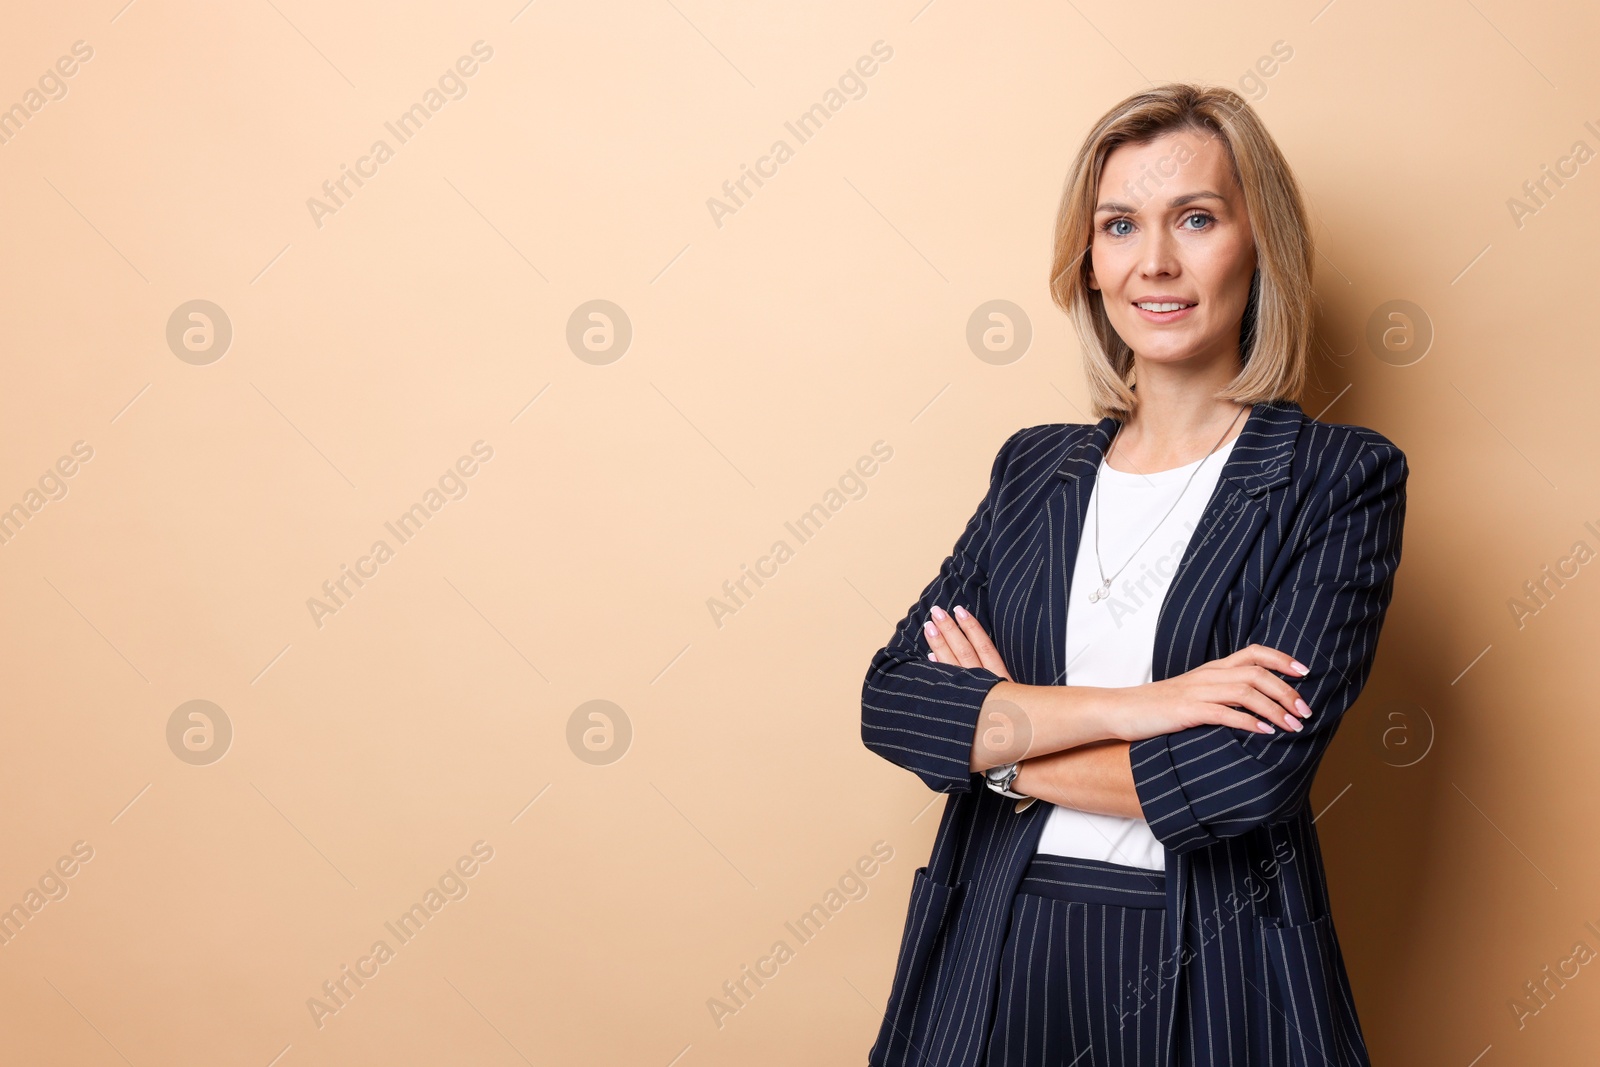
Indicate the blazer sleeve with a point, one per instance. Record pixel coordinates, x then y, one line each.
919 714
1206 783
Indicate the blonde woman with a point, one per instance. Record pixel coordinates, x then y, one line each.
1130 665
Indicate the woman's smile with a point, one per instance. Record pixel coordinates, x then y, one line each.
1164 310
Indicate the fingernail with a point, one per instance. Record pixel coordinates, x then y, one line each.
933 656
961 612
1300 668
1294 724
1266 727
1302 707
930 627
938 612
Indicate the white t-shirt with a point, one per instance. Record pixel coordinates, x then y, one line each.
1111 642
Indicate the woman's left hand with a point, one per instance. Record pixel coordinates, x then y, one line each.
957 638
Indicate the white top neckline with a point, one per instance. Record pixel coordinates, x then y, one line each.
1166 477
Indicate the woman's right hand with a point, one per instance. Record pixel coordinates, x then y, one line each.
1203 696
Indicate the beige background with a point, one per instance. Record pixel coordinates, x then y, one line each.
829 312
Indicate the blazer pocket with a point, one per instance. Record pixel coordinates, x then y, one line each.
1301 1027
932 905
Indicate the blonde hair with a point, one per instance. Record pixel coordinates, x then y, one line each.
1279 319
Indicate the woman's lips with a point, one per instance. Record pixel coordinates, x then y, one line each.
1164 316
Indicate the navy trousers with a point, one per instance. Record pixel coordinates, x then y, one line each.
1085 973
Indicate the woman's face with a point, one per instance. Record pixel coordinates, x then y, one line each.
1170 226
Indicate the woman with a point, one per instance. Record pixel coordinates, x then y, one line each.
1127 671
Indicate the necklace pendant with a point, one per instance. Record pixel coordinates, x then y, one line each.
1101 593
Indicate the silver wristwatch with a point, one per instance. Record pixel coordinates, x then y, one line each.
1000 778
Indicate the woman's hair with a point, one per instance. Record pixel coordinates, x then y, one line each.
1275 337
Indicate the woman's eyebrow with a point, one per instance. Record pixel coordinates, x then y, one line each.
1177 201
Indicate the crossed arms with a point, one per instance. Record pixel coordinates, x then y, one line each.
1192 761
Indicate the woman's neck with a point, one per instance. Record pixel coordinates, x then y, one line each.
1176 422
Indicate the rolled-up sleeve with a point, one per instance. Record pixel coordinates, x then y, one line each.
919 714
1206 783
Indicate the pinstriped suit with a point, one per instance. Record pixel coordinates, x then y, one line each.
1297 550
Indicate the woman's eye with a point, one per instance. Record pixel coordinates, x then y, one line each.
1109 227
1198 215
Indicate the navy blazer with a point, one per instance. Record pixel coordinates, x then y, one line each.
1297 550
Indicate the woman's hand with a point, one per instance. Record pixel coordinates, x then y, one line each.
957 638
1203 697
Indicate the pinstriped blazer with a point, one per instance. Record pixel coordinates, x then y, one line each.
1297 550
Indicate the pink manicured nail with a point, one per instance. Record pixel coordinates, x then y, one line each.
1299 667
1266 727
961 612
931 627
938 612
1294 724
933 656
1302 707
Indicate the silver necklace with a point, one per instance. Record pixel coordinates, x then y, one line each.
1105 583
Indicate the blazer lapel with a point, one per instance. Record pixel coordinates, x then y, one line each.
1067 507
1259 463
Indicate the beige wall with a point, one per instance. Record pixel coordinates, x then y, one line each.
377 341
